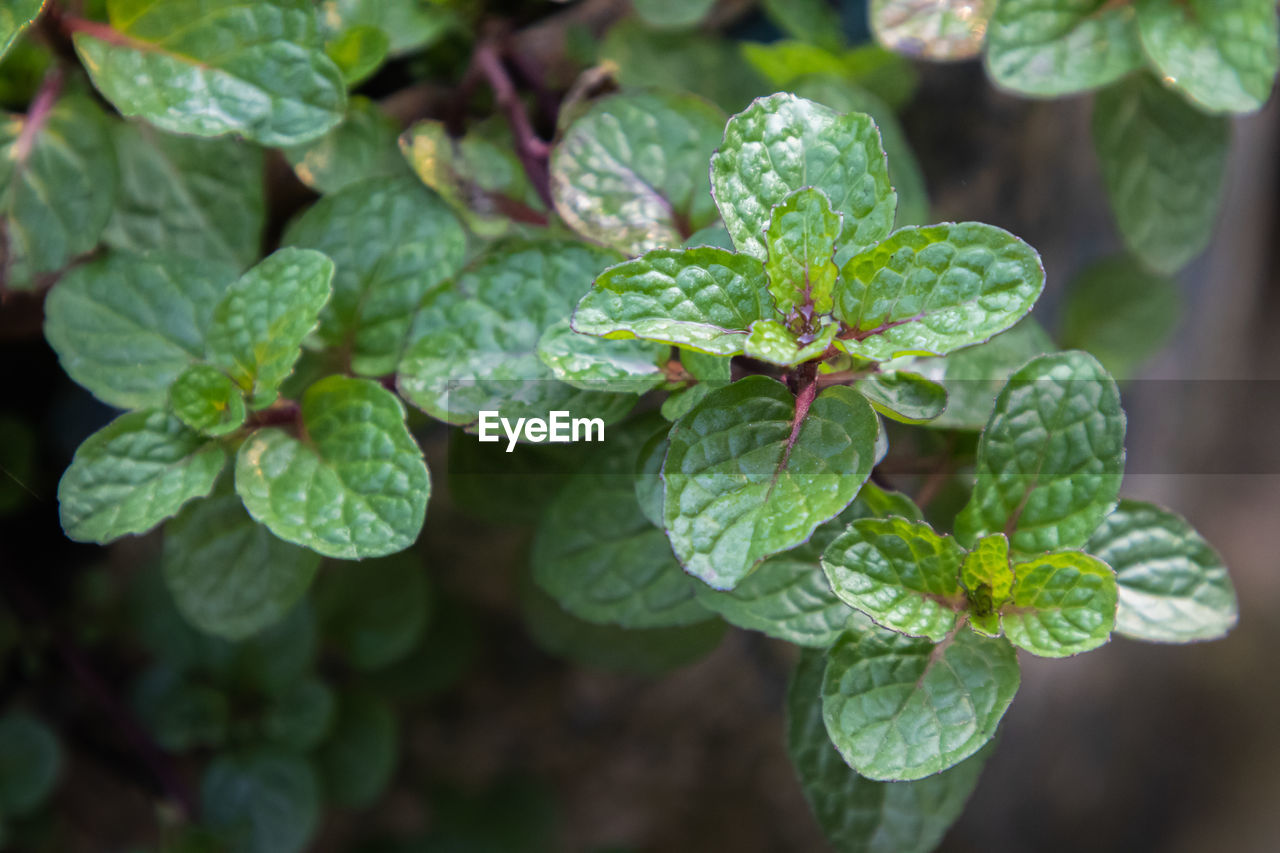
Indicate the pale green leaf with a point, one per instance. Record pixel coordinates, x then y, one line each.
1063 603
703 298
134 473
1162 163
1174 587
782 143
801 243
30 760
257 329
903 396
1221 54
261 801
363 146
941 30
356 488
903 708
745 480
392 241
630 172
675 14
987 579
211 67
1120 313
205 399
935 289
773 342
1062 46
228 574
199 198
358 52
58 182
600 364
1051 458
126 326
900 573
375 612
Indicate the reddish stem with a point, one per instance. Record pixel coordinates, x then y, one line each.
532 150
38 113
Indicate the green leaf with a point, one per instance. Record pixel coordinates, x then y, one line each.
1222 54
745 479
357 487
941 30
104 319
630 172
801 243
649 488
375 612
648 651
860 815
972 377
1061 47
228 574
900 573
703 298
16 17
476 341
987 579
598 556
1174 587
773 342
479 174
903 708
199 198
261 801
600 364
1062 604
205 399
300 717
210 68
1120 313
675 14
358 52
935 289
410 25
30 759
359 757
257 329
363 146
181 714
57 186
1162 163
1051 458
903 396
789 597
134 473
813 21
392 242
782 143
784 62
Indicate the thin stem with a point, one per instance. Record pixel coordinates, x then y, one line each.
532 150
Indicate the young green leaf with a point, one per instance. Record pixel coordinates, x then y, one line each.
267 800
1222 54
782 143
773 342
392 242
15 17
598 556
257 329
57 186
944 30
356 488
358 52
903 396
987 579
1174 587
1061 47
747 477
702 298
600 364
360 755
630 172
363 146
30 760
228 574
931 290
377 611
860 815
133 474
199 198
900 573
801 244
103 320
211 68
904 708
1062 604
409 24
1121 313
205 399
1162 163
476 341
1051 458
